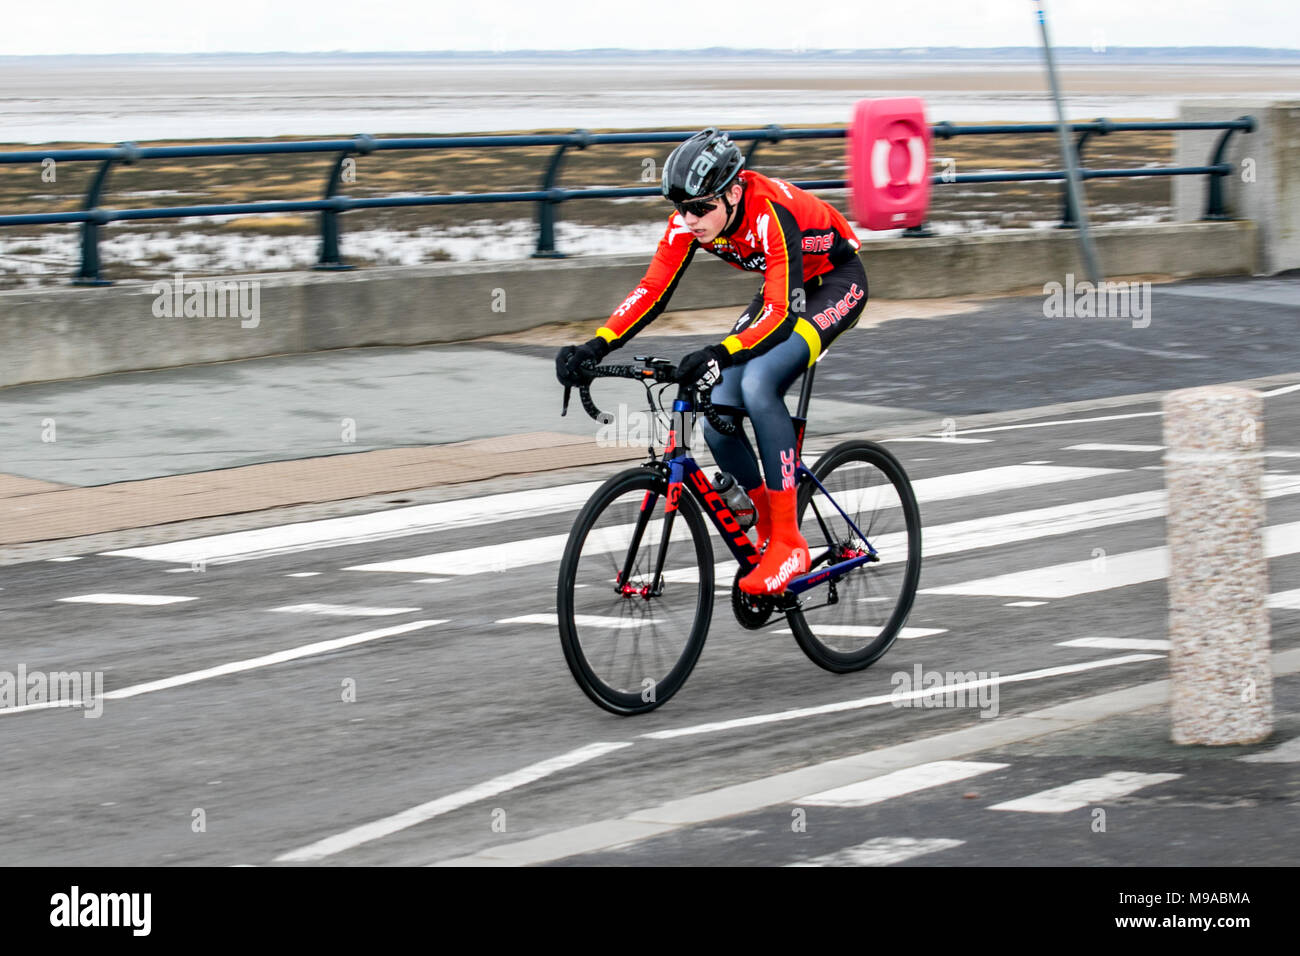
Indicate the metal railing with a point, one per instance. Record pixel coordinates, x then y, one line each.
548 196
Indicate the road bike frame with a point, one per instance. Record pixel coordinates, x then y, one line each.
684 472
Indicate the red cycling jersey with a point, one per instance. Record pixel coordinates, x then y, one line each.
787 234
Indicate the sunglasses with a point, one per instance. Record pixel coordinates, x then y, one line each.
697 207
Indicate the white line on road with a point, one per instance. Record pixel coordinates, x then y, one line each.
1289 600
1118 643
1288 752
236 667
1096 446
854 630
344 610
881 851
1080 793
1281 391
145 600
881 700
585 620
899 783
508 555
1062 421
941 438
377 526
454 801
1115 571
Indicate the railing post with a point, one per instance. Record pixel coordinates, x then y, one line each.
1214 206
774 134
88 273
1070 215
579 139
330 260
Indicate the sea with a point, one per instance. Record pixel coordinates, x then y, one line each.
151 98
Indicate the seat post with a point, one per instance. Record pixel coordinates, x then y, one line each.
805 393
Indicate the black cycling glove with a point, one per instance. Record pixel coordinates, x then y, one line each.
569 359
704 368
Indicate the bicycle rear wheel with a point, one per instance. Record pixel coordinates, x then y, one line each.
631 642
849 624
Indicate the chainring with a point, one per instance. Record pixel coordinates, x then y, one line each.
752 610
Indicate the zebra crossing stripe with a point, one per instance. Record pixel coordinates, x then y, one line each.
900 782
1081 793
882 851
1287 600
510 506
1116 571
583 620
1288 752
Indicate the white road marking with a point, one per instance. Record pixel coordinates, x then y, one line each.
1118 643
900 782
454 801
61 560
853 630
890 699
1281 391
1290 600
141 599
982 532
377 526
236 667
1080 793
476 512
881 851
1025 604
1117 571
583 620
1288 752
1062 421
303 574
940 438
344 610
1095 446
993 480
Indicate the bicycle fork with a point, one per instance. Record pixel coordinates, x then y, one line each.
656 586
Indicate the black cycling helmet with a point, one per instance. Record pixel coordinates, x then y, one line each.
704 165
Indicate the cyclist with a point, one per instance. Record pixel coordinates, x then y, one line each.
814 288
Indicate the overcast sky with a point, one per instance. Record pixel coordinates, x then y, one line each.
186 26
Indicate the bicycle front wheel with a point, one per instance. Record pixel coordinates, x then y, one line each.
631 637
848 624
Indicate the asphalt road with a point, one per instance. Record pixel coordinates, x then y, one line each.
271 762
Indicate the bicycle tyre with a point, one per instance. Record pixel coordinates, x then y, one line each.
873 488
611 641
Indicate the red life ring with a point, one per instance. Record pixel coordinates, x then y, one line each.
889 163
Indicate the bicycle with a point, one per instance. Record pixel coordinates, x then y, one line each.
636 583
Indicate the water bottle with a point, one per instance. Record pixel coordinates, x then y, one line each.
734 495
